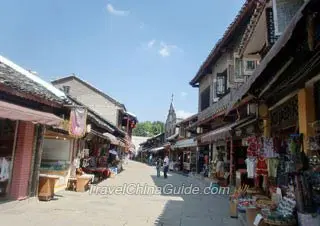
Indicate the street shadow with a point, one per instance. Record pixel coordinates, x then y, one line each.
187 208
5 200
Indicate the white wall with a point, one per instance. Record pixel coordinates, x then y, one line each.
95 101
218 67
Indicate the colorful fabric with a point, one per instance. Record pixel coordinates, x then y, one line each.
254 146
4 169
78 122
273 164
262 167
251 167
268 148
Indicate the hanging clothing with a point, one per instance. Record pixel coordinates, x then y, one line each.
220 167
254 146
262 167
251 167
273 164
268 148
4 169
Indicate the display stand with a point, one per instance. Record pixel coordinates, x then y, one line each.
46 187
83 183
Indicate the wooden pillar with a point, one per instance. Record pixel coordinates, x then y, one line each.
306 111
264 114
267 127
231 162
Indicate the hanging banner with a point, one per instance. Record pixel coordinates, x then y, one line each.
78 122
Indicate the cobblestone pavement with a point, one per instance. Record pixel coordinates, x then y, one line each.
160 208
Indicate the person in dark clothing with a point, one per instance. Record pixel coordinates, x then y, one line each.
158 166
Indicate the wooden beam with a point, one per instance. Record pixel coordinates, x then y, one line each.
276 77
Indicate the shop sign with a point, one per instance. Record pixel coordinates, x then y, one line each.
285 115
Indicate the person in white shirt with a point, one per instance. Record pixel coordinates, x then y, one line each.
165 166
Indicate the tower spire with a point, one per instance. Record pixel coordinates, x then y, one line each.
172 98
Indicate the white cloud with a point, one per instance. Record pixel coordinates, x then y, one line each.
183 94
116 12
166 50
151 43
183 114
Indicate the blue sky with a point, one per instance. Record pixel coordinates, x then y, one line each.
139 52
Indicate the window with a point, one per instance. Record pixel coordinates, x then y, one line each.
249 66
66 89
238 72
221 85
272 37
284 11
205 99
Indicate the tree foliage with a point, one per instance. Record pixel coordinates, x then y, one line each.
148 129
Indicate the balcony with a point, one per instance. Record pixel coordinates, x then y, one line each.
217 107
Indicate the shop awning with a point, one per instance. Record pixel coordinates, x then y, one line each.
218 134
15 112
224 132
185 143
113 140
96 133
157 149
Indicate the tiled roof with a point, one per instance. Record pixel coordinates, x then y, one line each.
13 79
216 108
247 7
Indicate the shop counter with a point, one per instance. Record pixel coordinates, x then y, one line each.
46 186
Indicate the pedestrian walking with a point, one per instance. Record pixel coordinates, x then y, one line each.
165 166
158 166
150 160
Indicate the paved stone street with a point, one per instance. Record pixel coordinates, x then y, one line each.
71 208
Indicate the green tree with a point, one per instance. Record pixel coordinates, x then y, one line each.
148 129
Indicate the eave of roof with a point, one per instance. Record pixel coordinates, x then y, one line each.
188 119
73 76
245 9
252 25
17 81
